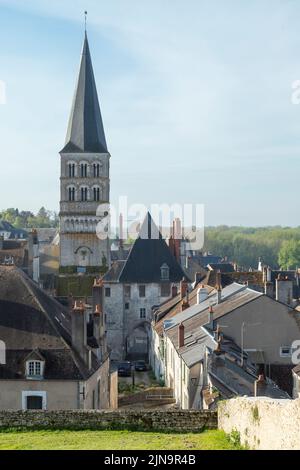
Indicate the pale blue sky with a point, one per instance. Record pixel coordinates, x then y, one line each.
195 98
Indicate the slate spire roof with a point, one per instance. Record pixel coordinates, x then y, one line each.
148 254
85 130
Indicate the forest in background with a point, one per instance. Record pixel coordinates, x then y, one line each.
27 219
278 247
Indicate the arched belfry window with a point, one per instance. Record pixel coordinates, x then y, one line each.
71 194
83 170
84 194
96 170
96 192
71 167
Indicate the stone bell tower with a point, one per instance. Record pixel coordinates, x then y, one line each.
84 182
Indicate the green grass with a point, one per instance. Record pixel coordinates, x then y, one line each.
113 440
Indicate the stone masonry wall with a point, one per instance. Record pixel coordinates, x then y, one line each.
178 421
263 423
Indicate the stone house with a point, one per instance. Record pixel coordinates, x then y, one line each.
261 327
52 357
133 287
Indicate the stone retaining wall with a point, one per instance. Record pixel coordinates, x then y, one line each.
178 421
262 423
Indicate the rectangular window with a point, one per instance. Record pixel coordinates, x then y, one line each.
127 306
285 351
142 291
142 313
127 291
165 289
34 369
107 292
33 400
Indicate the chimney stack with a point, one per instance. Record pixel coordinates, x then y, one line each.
79 330
181 335
185 305
202 294
284 290
174 291
183 288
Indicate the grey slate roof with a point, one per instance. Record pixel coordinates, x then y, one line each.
15 233
85 131
30 320
145 259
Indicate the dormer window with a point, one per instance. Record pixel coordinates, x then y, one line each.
165 272
34 369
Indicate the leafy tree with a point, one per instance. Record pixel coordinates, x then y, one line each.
289 254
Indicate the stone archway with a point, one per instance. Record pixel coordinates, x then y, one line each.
137 342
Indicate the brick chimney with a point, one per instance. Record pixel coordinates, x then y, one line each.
183 288
174 291
181 335
219 294
79 330
185 304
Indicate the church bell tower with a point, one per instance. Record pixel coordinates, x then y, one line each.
84 181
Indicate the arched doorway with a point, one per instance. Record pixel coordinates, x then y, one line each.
137 342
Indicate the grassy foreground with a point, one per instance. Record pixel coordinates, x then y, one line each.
113 440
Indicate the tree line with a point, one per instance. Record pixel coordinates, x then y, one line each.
278 247
27 219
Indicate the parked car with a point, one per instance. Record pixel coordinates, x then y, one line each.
140 366
124 369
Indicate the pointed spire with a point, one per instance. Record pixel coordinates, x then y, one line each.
85 131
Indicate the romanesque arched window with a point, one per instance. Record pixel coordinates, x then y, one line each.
96 193
71 193
83 170
71 169
84 194
96 170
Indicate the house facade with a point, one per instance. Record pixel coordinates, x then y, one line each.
55 358
260 328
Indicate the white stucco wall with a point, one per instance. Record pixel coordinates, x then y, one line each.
263 423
